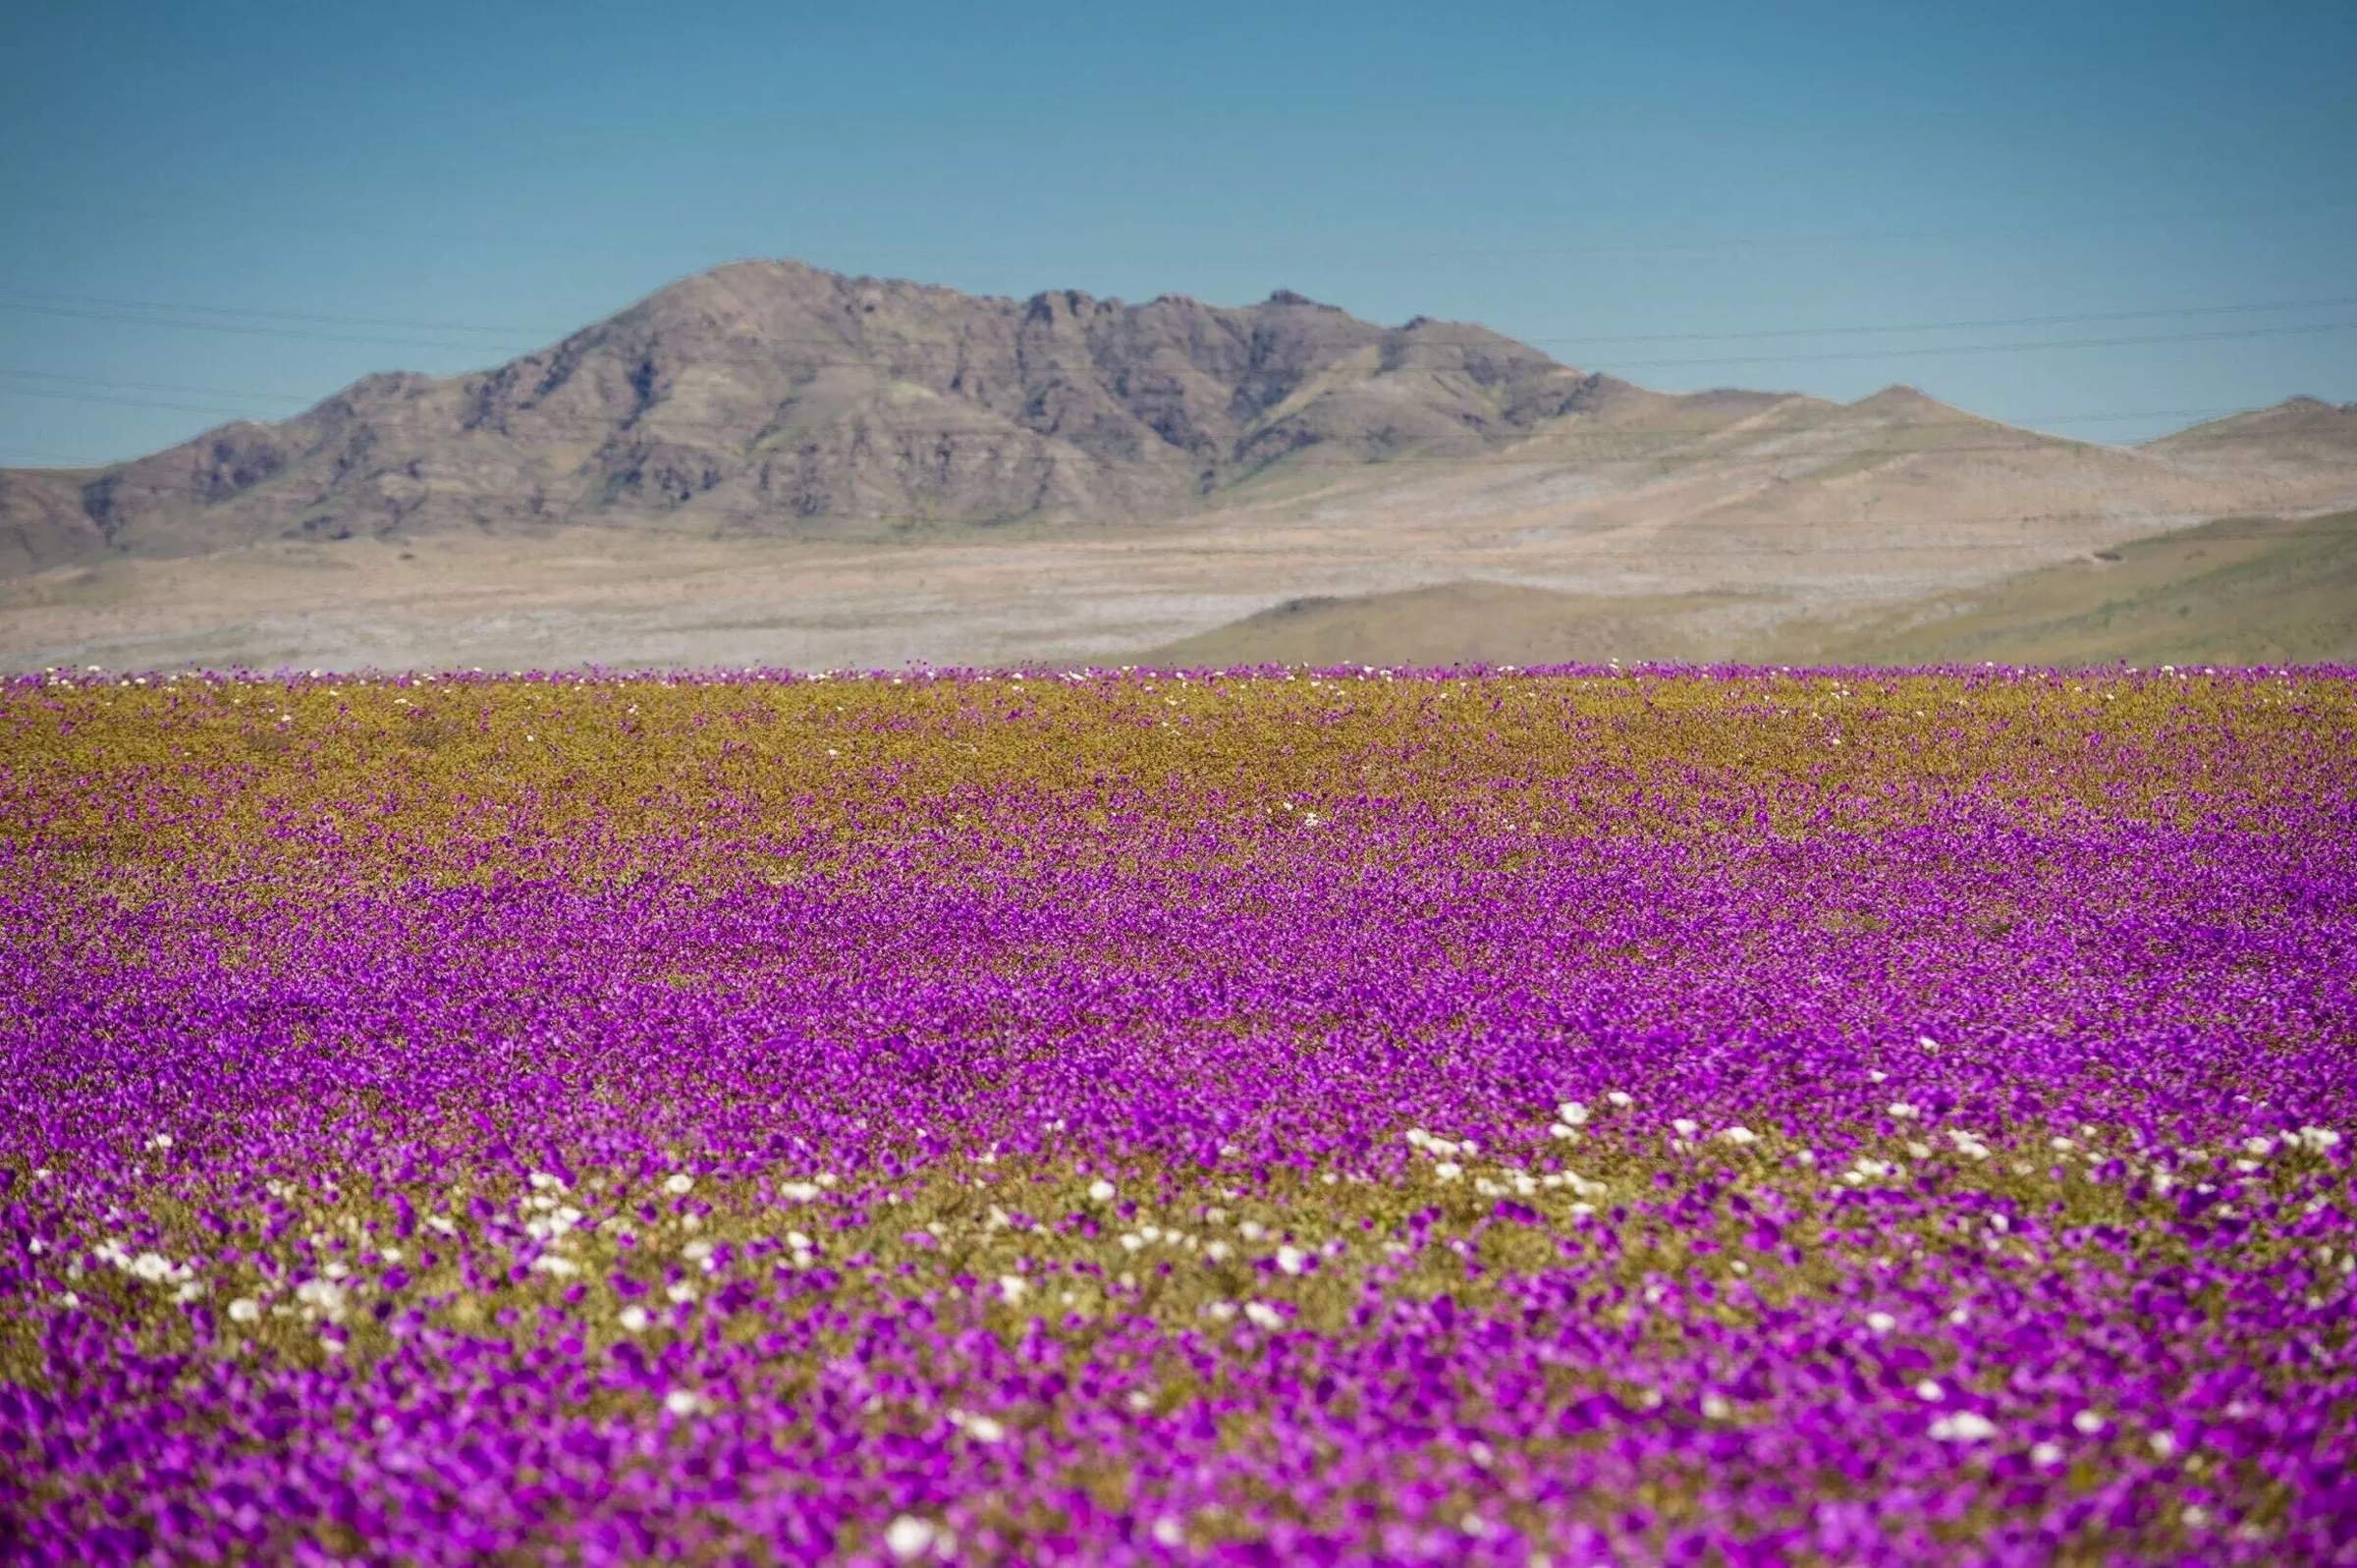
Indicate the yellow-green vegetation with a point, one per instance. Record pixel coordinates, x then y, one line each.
2238 591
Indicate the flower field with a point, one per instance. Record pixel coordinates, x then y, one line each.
1571 1117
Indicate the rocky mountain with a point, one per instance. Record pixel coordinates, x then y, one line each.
773 397
768 462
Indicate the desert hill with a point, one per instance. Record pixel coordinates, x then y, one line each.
2239 590
771 396
770 463
1450 623
2298 433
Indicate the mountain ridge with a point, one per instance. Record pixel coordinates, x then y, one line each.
772 397
768 462
776 388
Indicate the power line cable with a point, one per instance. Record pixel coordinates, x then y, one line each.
1923 350
881 355
2333 301
1358 254
161 386
303 334
112 303
2330 303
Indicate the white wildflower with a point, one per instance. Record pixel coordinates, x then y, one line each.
982 1429
1572 1113
1882 1323
245 1309
1738 1135
679 1182
1964 1425
1292 1260
1930 1391
634 1319
1101 1191
1264 1315
910 1537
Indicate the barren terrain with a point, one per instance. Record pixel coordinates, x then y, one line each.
770 465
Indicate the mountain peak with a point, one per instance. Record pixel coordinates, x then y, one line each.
1899 396
767 395
2304 403
2295 422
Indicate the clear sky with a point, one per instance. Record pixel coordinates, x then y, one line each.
1597 178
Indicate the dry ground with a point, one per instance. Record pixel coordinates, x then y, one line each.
1698 560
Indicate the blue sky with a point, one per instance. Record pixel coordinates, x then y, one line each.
1597 178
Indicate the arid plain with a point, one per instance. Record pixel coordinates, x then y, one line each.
772 465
